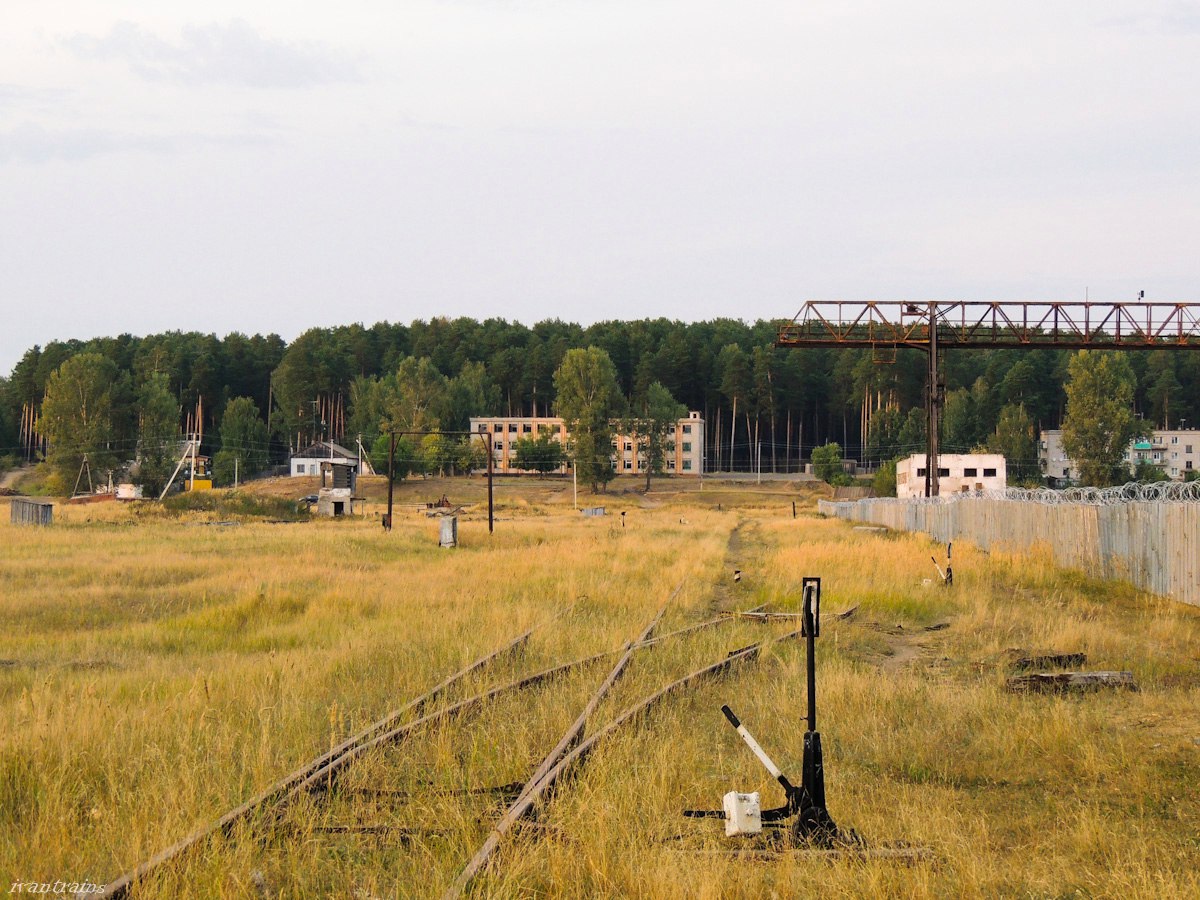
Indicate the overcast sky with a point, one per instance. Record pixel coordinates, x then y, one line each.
272 166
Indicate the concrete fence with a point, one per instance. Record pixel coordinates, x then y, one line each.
1154 545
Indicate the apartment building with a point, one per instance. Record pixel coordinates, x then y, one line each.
686 458
1176 452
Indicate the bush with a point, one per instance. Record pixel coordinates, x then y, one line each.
884 481
827 463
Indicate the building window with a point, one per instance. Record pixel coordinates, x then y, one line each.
920 473
1187 449
512 427
970 473
629 445
989 473
526 428
629 463
482 426
687 446
1188 465
687 429
687 465
499 445
945 473
670 463
497 427
1174 439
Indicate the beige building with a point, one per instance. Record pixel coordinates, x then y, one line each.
957 472
1176 452
687 457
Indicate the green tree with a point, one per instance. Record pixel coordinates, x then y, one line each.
77 416
243 442
736 384
1099 422
158 432
653 432
470 453
1146 471
1015 440
406 459
912 433
884 480
587 398
827 462
883 434
542 453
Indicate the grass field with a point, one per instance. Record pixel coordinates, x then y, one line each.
160 667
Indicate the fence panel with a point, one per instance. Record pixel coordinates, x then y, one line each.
1155 545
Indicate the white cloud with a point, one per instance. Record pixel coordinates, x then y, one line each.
233 53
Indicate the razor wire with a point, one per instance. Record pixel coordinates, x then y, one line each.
1133 492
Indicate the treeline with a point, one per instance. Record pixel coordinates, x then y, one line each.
761 404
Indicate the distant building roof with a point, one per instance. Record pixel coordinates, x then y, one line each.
325 450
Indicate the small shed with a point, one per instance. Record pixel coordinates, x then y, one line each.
27 511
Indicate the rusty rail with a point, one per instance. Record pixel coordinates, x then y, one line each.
539 787
121 885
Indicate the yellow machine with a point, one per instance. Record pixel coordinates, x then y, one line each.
198 477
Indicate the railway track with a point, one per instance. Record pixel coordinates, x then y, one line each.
288 807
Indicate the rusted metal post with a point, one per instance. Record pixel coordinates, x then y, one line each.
491 507
387 522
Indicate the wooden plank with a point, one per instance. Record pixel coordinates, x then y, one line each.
1049 682
1049 661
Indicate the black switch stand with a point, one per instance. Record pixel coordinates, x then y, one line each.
814 824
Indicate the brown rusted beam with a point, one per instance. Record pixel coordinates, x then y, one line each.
982 324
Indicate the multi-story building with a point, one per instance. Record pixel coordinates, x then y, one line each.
1176 452
685 458
956 472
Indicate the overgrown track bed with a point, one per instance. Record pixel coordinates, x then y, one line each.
352 811
154 683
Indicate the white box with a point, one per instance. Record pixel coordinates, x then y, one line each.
743 814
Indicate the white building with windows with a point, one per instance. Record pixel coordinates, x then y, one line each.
957 472
308 461
1176 452
685 458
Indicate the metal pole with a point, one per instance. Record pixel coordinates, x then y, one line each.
935 403
387 522
491 466
810 631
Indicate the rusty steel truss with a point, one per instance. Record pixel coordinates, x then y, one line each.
932 325
1033 324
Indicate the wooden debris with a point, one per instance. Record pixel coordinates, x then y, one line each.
897 854
1051 682
1049 661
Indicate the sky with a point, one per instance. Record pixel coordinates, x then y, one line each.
276 166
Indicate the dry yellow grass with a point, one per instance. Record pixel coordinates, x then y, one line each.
158 671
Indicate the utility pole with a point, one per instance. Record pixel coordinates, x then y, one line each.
387 521
935 409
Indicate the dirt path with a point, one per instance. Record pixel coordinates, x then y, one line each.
10 477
